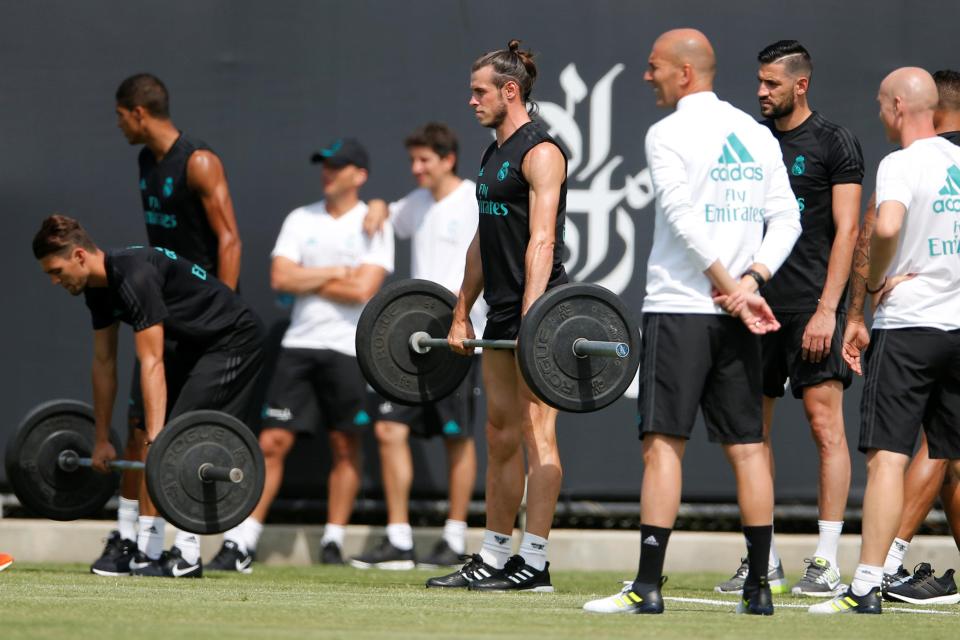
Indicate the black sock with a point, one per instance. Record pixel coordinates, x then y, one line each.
758 552
653 549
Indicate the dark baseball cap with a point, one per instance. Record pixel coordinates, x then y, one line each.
341 152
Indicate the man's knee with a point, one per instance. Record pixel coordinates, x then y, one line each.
881 461
391 433
276 443
823 405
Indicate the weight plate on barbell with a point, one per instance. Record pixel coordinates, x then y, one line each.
545 347
388 363
32 462
173 478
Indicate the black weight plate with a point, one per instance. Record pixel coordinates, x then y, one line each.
545 347
388 363
173 477
32 469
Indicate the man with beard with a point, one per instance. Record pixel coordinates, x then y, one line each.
825 167
514 257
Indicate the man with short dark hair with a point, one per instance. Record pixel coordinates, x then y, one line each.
188 210
441 219
323 258
825 167
160 294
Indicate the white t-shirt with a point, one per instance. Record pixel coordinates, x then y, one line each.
719 179
925 178
311 237
442 232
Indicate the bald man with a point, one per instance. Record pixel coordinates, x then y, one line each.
913 362
726 220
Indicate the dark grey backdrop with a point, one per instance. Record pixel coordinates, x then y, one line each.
265 83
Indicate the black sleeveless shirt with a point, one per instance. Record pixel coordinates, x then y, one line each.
503 196
174 214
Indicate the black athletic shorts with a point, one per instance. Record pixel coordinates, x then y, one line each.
502 324
316 388
782 357
220 379
912 378
450 417
704 361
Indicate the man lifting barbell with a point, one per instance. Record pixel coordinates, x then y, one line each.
216 364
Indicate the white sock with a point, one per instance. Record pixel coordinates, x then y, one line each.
189 545
150 537
245 535
455 533
333 533
127 514
400 535
895 555
533 550
829 541
866 577
774 559
496 549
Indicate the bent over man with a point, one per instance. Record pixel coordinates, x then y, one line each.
719 181
158 293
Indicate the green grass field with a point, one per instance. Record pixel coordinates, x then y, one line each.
60 601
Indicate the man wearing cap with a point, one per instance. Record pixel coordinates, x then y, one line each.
323 258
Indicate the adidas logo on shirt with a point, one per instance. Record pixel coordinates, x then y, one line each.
951 187
736 163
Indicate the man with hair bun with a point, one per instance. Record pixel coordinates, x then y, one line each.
515 256
825 167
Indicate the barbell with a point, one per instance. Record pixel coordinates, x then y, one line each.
577 349
204 471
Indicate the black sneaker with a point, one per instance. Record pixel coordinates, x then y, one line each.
756 599
115 559
385 556
635 597
170 564
924 588
474 570
851 603
517 575
230 558
331 553
892 580
441 556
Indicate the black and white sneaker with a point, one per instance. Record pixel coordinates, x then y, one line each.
115 559
893 579
441 556
925 588
849 602
474 570
385 556
170 564
517 575
635 597
230 558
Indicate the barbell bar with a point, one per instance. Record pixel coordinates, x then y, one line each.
422 342
69 460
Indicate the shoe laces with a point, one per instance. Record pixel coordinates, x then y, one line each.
228 547
814 572
473 562
514 564
742 570
920 573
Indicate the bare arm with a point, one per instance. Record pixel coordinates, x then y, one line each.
153 383
288 276
361 285
818 334
883 246
545 169
860 267
104 375
461 329
205 176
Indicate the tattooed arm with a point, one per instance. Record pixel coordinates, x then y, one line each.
856 338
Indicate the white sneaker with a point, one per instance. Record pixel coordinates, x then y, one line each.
629 600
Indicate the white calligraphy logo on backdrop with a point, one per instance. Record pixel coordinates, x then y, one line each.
607 208
589 189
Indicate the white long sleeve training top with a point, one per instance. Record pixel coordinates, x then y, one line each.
719 179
